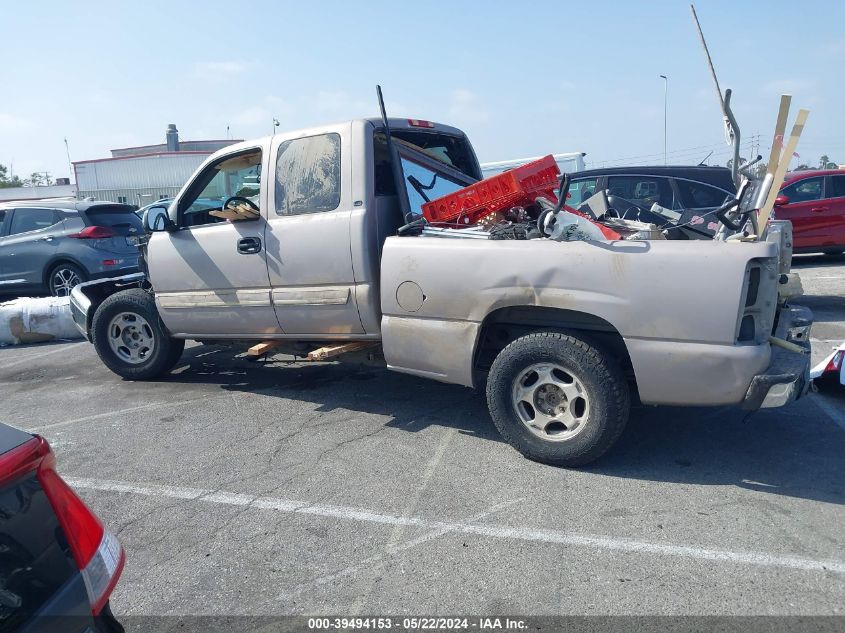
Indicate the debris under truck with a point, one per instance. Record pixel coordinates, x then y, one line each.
318 242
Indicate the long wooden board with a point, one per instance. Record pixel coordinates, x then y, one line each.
330 351
783 165
780 129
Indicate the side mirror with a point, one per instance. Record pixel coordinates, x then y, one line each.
156 219
781 200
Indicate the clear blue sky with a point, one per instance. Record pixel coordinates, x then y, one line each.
522 78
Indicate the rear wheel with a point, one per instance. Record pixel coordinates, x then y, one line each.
130 338
63 277
557 399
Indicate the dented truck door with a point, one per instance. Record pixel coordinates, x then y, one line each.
210 274
308 233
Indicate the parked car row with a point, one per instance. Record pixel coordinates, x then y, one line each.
813 200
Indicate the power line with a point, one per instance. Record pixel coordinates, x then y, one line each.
683 154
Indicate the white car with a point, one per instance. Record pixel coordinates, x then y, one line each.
831 371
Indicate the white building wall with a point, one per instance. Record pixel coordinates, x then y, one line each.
140 180
37 193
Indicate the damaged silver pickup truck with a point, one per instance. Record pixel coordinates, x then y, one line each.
316 240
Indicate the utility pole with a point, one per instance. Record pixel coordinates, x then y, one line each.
69 163
665 111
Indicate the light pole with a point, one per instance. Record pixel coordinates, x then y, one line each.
665 110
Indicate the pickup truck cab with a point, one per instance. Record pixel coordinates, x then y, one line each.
559 334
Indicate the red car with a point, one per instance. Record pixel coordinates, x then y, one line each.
814 201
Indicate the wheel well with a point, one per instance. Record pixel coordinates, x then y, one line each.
503 326
99 292
50 267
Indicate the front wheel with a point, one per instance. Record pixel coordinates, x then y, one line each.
130 338
557 399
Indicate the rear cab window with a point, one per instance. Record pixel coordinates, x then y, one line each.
453 151
308 175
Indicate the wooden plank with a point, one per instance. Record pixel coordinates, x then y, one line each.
330 351
262 348
780 129
783 165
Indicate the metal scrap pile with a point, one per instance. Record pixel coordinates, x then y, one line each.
525 203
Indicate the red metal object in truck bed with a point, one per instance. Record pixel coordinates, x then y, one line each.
515 187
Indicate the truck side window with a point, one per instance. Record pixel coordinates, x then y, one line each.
238 175
308 175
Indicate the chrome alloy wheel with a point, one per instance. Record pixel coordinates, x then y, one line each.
63 281
131 338
551 402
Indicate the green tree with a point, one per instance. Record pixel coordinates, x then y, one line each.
6 181
826 163
38 179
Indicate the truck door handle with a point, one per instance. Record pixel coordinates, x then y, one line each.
819 209
249 245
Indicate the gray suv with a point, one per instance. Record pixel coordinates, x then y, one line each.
49 246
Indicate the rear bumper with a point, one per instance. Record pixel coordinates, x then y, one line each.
788 376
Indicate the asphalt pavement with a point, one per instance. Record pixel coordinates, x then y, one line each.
337 488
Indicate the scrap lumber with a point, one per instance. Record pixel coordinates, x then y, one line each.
780 130
331 351
235 212
783 165
259 350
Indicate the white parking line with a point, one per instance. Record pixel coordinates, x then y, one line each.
31 357
590 541
141 407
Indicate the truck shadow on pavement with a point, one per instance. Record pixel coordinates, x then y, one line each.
796 451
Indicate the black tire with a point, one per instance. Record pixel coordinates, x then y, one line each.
605 404
159 356
61 275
